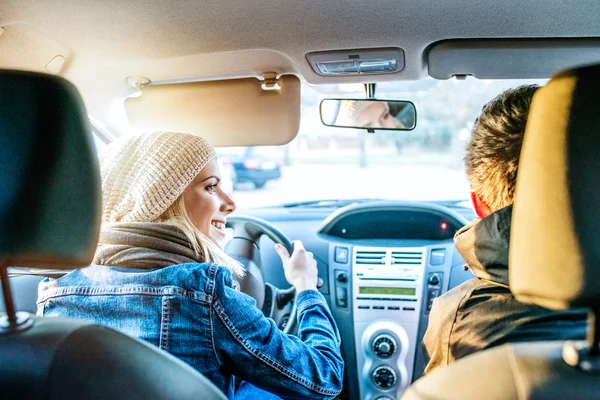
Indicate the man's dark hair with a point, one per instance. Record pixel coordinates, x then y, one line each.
493 152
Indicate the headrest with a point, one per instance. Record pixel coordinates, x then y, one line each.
50 199
555 235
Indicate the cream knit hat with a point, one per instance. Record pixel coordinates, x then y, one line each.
350 110
143 175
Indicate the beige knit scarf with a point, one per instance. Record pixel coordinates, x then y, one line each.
143 245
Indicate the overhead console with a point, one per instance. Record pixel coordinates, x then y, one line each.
509 58
357 61
388 261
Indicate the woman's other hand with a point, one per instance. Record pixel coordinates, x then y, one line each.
300 268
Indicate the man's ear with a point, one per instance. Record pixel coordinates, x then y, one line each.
481 209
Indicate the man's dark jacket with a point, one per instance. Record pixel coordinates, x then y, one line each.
482 313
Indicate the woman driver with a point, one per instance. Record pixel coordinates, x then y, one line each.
160 274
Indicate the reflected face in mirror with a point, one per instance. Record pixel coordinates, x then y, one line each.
377 115
397 115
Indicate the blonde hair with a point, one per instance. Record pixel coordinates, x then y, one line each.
176 215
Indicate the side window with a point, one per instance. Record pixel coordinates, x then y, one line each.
100 145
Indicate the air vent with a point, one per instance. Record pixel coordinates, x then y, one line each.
370 257
409 258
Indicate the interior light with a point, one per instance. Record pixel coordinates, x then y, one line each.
338 67
357 66
388 65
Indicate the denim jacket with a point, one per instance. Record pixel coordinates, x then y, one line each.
193 312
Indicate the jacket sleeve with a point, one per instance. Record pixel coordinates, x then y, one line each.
252 348
435 341
439 340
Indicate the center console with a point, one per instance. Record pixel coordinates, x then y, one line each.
388 296
387 292
387 263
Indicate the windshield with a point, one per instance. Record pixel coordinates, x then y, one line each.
324 163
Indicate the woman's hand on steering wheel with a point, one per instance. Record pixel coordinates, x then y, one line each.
300 267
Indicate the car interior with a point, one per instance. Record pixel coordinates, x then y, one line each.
559 153
76 76
56 175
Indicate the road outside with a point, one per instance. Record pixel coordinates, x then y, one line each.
422 164
322 181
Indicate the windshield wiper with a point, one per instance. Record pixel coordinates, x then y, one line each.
327 203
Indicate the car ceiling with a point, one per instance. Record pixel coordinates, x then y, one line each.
109 33
103 42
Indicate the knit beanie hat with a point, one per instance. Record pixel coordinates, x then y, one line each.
349 111
143 175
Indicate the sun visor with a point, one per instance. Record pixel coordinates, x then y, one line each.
24 48
510 59
237 112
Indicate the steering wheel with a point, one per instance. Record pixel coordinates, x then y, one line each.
275 303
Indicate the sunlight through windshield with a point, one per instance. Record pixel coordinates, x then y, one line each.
341 163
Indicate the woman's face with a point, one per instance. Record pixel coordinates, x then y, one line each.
377 115
207 205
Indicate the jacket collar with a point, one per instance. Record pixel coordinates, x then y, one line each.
483 244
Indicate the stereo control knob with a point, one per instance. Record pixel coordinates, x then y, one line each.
434 280
384 377
384 346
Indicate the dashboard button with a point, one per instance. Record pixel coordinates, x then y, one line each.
384 377
342 277
341 255
384 346
438 257
364 307
341 294
434 280
378 308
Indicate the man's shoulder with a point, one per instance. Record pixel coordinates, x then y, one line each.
455 305
438 339
473 297
455 296
445 308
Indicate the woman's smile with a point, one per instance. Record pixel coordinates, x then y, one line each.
218 231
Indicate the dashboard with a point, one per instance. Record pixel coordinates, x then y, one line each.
383 263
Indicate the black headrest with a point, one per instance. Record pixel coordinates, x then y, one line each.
50 200
555 237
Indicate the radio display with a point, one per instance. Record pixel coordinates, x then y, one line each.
398 291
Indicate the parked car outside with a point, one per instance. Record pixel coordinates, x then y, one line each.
252 167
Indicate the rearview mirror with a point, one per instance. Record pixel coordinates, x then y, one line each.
388 115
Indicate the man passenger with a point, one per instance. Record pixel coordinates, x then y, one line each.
482 313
